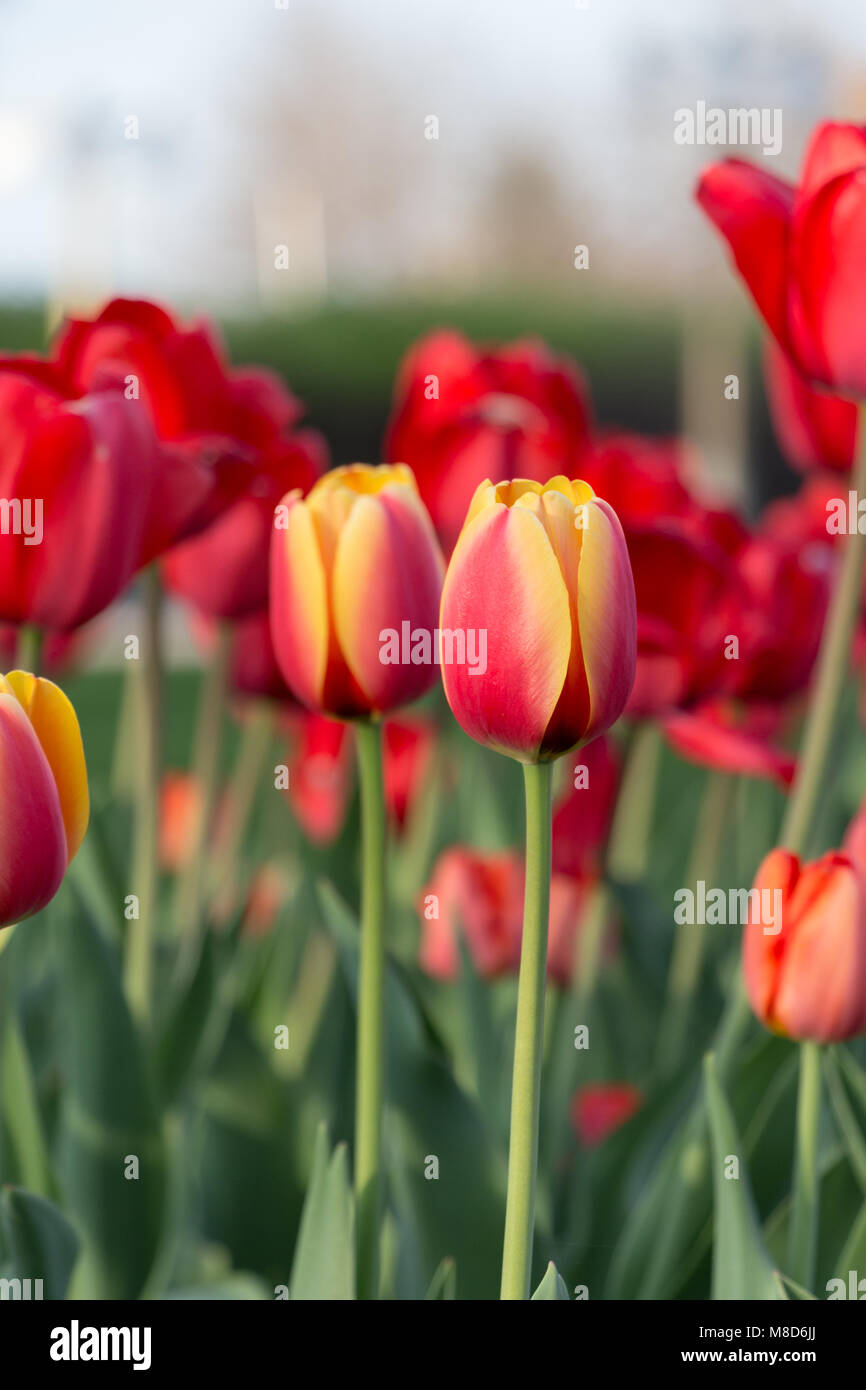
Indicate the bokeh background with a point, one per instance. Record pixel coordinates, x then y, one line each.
166 150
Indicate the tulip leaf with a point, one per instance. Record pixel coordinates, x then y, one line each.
430 1117
552 1287
443 1285
111 1163
39 1241
21 1110
237 1288
741 1265
324 1262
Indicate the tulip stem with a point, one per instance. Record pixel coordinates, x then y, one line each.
528 1039
804 1214
141 934
205 772
28 654
687 958
629 843
832 673
370 1048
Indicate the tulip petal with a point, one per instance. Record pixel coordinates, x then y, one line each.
829 302
55 724
607 616
387 571
822 984
505 580
32 834
752 210
299 604
763 950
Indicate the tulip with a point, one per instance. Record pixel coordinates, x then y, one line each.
320 777
809 979
543 571
409 747
722 736
461 414
83 472
351 564
356 576
46 805
800 250
480 896
814 429
213 422
599 1109
542 574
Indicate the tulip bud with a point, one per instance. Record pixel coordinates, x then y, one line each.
807 978
542 571
355 570
45 808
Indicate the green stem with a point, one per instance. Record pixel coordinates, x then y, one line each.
804 1213
245 781
528 1038
832 673
690 940
141 933
370 1050
29 649
205 771
628 848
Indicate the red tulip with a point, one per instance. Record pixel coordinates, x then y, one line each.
481 897
814 429
225 437
583 812
800 251
85 470
720 735
599 1109
808 980
461 415
320 776
407 758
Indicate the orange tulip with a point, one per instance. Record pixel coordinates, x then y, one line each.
356 570
540 581
808 980
45 809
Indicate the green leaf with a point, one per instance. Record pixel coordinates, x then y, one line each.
39 1240
237 1288
444 1281
21 1110
552 1286
108 1118
741 1265
428 1114
324 1263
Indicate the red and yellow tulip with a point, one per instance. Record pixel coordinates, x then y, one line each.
46 806
543 571
354 559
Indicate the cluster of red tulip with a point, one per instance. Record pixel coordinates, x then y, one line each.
602 578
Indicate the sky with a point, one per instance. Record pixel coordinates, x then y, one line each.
257 120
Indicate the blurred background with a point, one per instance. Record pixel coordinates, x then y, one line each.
331 179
